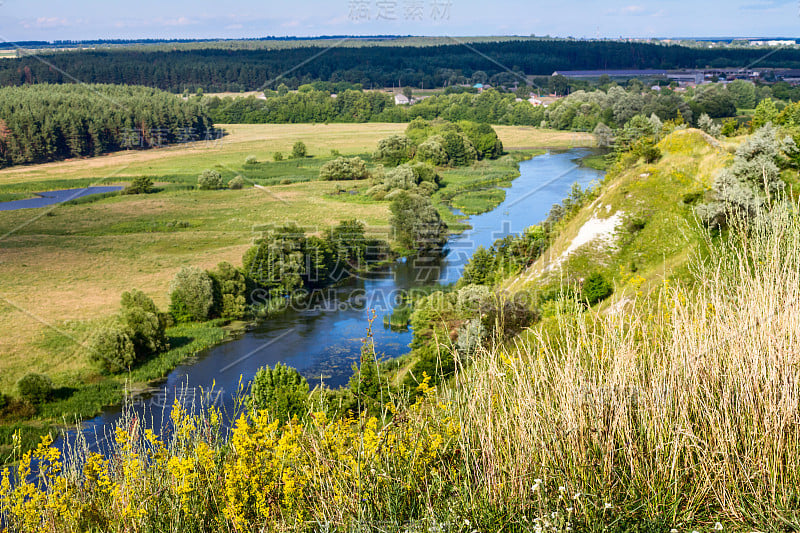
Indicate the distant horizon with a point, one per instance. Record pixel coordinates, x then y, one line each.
134 40
46 20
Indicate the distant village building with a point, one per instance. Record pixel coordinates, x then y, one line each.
535 101
686 76
774 42
624 74
789 75
401 99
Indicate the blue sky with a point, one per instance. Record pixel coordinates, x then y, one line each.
90 19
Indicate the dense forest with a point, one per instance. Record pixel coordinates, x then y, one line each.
49 122
352 105
582 110
372 66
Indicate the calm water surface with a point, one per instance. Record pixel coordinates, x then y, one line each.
43 199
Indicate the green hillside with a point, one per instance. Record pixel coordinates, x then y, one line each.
645 228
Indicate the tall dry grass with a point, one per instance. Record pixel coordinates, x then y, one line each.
680 409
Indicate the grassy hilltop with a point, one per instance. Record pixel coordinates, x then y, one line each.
653 230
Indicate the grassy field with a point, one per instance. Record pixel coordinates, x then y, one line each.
242 140
65 266
260 140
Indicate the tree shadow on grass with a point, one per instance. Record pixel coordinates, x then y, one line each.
62 393
179 341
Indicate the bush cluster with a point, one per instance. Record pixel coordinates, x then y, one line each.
136 333
418 178
139 185
191 295
35 388
210 180
299 150
236 183
344 168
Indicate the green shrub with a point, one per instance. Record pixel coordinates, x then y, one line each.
401 177
416 224
35 388
438 364
144 323
729 127
370 390
251 160
395 150
210 180
280 390
419 178
483 138
139 185
236 183
344 168
596 289
427 188
766 111
432 151
230 290
753 177
277 156
507 315
299 150
111 349
706 124
470 337
479 270
651 154
191 295
460 151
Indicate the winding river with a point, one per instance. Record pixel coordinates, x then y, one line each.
323 341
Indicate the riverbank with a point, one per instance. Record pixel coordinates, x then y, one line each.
71 265
322 339
83 400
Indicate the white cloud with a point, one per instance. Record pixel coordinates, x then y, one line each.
768 5
42 23
179 21
632 10
635 10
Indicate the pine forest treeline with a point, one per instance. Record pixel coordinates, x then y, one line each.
372 66
49 122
